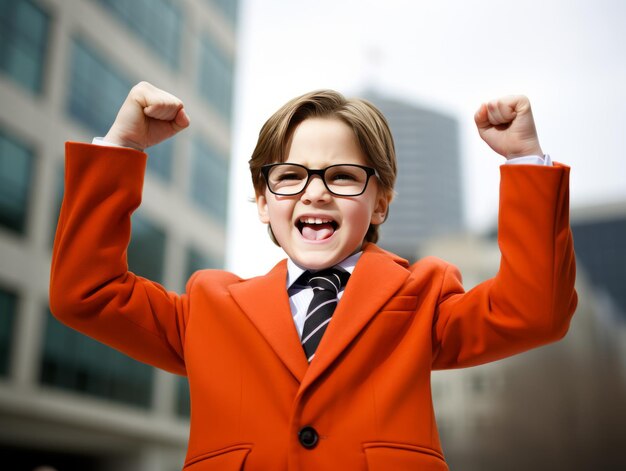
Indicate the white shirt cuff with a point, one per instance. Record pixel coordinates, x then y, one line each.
99 141
531 160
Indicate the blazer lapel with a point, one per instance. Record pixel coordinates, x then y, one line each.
264 300
377 276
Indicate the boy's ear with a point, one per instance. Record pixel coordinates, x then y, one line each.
379 215
261 205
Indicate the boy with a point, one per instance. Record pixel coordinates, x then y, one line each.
270 392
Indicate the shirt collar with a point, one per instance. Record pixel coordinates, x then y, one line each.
294 270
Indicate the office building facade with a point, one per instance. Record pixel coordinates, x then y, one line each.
65 68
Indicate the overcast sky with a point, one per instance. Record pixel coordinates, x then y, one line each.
567 56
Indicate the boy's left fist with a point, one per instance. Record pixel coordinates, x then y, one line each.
507 126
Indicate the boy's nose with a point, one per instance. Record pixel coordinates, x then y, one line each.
316 190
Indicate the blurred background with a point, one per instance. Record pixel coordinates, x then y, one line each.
67 65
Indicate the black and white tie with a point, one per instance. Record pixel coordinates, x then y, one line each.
326 286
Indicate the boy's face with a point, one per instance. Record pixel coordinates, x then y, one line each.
316 228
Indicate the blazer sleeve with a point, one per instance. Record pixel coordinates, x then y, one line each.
91 289
532 298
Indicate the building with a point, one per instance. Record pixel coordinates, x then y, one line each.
600 239
558 407
428 200
65 68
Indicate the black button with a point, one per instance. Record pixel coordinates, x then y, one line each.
308 437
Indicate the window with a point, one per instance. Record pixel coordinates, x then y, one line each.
601 251
183 400
8 307
23 36
198 260
229 8
157 22
215 81
78 363
97 90
147 249
16 166
209 180
160 159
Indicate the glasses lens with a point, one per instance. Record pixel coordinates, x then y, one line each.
286 179
346 180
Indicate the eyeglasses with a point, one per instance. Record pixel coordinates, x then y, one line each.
285 179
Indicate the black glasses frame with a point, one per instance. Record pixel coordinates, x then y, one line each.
265 170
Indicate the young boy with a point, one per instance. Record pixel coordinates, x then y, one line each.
269 390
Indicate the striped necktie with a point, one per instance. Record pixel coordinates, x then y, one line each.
326 286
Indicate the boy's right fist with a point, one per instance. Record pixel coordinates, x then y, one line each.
148 116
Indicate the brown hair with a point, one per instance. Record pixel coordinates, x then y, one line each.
368 123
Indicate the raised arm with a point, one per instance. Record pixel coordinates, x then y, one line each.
91 289
532 298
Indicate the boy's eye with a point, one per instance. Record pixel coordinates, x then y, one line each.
285 177
288 176
343 176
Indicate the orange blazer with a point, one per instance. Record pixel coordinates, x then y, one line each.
366 395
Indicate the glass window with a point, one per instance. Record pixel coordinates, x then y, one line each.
198 260
96 89
24 29
229 8
16 166
215 81
147 249
209 180
76 362
160 159
8 307
157 22
601 250
183 400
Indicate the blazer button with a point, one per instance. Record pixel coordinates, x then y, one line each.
308 437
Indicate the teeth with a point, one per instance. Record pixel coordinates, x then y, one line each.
312 220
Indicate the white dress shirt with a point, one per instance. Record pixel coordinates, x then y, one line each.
300 297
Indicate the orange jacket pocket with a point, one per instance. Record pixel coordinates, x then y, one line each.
382 456
231 458
401 303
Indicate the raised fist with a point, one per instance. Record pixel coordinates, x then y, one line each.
148 116
507 126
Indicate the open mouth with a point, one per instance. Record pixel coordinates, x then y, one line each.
316 228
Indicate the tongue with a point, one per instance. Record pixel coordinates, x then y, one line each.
317 231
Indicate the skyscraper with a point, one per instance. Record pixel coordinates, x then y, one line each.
600 239
65 69
428 200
